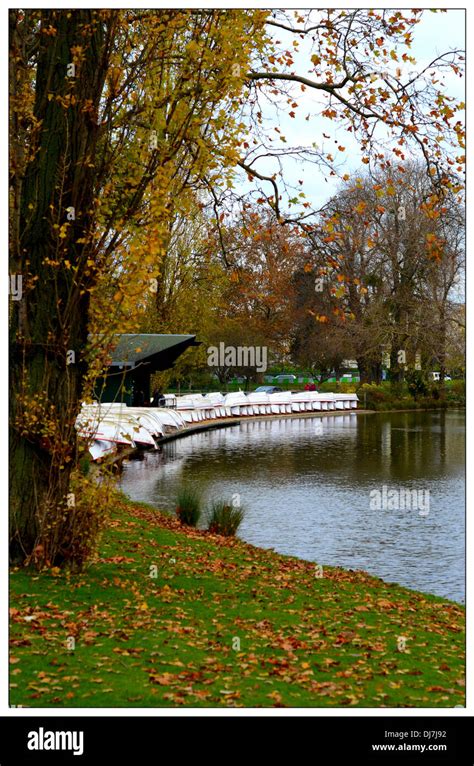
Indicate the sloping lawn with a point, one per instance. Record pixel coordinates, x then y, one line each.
174 617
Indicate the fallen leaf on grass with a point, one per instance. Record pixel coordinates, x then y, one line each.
165 679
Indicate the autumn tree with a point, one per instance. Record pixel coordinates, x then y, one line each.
262 256
190 291
114 115
355 71
319 340
386 257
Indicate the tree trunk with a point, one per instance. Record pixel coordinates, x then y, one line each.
377 372
364 371
442 347
48 330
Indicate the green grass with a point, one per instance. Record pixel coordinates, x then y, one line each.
173 639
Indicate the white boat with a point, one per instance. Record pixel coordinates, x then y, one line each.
107 430
314 400
203 406
298 401
218 401
117 424
163 419
349 400
187 408
281 402
151 422
119 431
258 402
100 448
236 402
176 417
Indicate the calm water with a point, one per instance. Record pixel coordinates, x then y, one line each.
308 486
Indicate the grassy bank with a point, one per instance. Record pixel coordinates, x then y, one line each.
173 617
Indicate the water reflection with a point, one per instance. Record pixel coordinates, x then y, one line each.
306 483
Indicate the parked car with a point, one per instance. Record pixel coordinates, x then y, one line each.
268 390
349 378
285 378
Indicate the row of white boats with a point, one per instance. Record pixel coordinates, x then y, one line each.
109 426
196 407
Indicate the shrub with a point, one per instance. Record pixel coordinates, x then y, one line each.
372 395
456 392
416 383
188 506
85 465
456 386
347 388
224 519
75 532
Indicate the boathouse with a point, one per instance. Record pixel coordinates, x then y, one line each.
135 358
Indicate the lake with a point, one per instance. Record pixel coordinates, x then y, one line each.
381 492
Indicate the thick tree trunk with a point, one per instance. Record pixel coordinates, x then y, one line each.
364 370
48 329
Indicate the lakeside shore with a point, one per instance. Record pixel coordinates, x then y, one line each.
212 425
173 616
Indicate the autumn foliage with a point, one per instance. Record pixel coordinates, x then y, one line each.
125 123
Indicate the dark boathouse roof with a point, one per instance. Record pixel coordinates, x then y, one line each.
158 351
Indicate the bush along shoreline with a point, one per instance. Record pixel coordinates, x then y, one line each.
172 616
413 395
